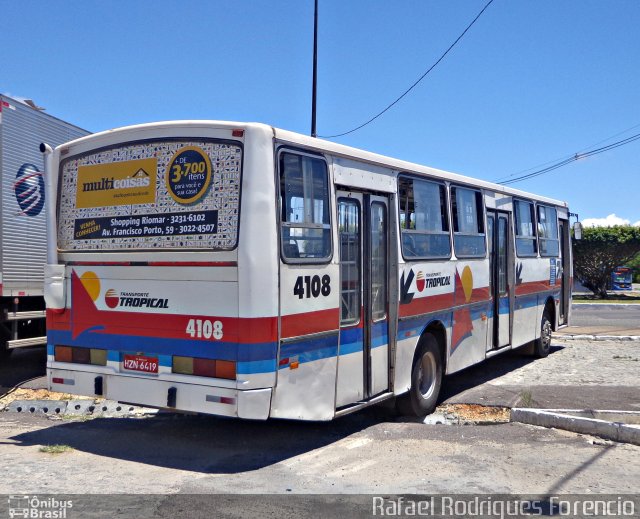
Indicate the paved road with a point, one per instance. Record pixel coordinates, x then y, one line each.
601 314
605 319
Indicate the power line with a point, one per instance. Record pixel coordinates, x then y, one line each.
573 158
414 84
553 161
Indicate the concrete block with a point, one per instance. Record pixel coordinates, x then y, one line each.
41 407
611 430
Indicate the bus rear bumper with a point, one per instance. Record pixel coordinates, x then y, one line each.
150 392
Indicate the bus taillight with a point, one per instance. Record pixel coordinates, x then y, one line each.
204 367
80 355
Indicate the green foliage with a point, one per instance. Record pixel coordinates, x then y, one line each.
600 251
635 266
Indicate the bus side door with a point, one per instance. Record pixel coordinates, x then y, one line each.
363 249
309 307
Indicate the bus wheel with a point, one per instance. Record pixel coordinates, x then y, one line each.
426 378
543 344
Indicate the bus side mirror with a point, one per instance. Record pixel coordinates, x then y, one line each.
577 231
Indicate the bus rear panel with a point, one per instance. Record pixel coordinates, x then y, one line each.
149 308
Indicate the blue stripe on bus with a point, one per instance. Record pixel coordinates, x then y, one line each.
414 326
351 340
256 366
379 334
308 345
162 346
308 350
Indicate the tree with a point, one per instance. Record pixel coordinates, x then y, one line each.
635 266
600 251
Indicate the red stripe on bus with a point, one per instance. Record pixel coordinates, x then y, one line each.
58 321
439 302
311 322
100 263
193 263
424 305
531 287
154 263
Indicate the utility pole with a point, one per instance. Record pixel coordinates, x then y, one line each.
315 71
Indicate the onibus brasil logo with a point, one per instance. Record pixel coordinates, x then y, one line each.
115 299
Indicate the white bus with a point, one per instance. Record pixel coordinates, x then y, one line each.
241 270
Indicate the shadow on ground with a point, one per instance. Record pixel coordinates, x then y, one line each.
205 444
209 444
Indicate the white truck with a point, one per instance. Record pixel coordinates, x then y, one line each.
23 240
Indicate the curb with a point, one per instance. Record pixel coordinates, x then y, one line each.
570 420
588 337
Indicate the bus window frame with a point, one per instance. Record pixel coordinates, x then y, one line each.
481 213
401 231
534 238
278 179
358 205
540 238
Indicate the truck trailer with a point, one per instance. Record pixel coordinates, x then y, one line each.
23 240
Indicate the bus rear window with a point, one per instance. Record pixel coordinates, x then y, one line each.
173 194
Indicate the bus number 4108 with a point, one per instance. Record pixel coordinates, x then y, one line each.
312 286
199 328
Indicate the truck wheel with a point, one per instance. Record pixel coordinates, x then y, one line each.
4 337
5 352
426 378
543 344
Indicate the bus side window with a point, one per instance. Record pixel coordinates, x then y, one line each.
304 201
467 210
423 219
526 244
548 231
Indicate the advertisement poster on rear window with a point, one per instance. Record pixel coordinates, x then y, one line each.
176 194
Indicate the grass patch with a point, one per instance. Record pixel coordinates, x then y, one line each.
55 449
526 398
614 297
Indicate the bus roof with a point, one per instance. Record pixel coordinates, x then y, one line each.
320 145
401 165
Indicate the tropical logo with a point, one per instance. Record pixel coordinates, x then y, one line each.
29 190
111 298
435 280
114 299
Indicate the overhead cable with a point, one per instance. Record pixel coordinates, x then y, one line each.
573 158
415 83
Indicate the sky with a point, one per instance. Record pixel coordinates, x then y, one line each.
531 83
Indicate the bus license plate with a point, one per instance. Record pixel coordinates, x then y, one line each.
141 363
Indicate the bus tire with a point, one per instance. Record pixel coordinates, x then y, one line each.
426 379
542 345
